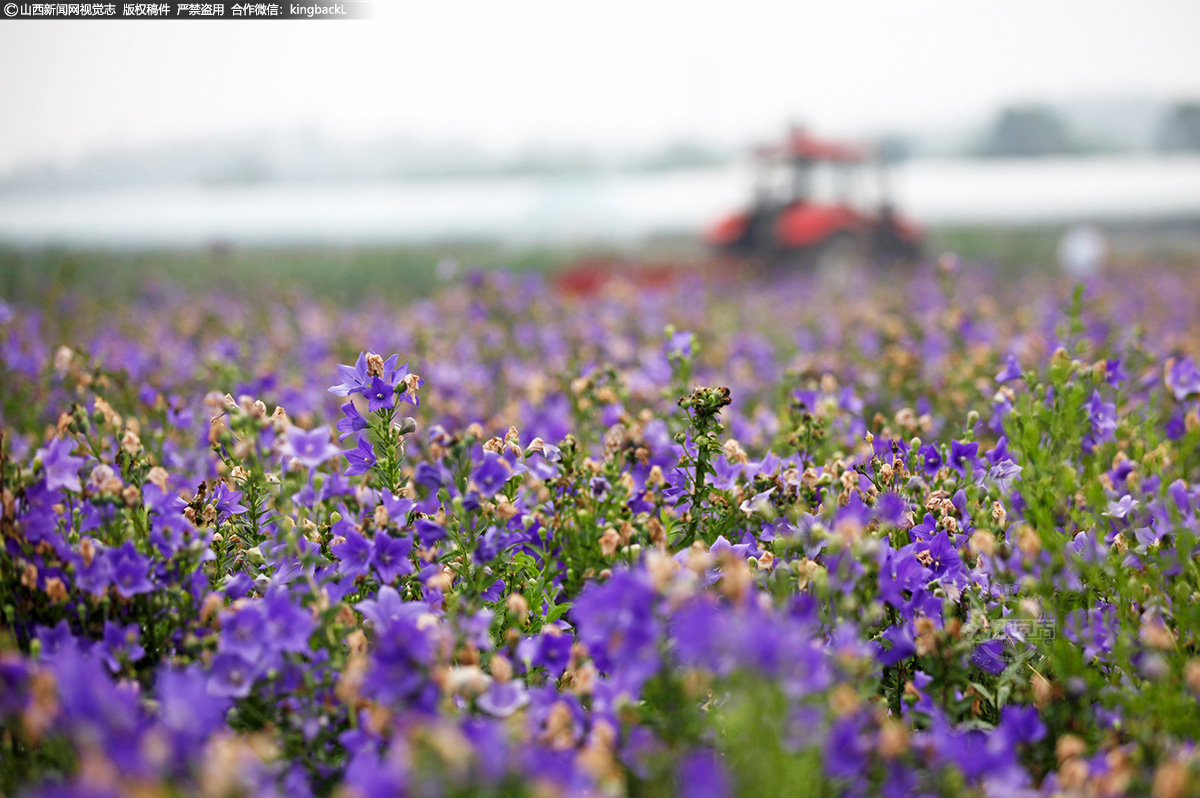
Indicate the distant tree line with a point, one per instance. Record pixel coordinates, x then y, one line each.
1180 131
1038 130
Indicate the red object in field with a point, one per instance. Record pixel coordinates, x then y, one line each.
594 275
808 224
809 205
801 145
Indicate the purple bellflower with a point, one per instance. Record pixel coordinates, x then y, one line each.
310 448
361 457
62 469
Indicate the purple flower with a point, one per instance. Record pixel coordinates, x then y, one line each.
701 775
999 452
1116 373
379 395
130 571
361 457
288 627
1103 416
900 571
680 344
503 698
963 455
357 379
476 629
599 487
617 623
56 640
391 557
354 552
163 502
310 448
1021 725
493 591
242 631
231 676
930 459
403 649
96 576
553 652
226 502
388 610
1183 379
1011 371
187 706
903 646
352 422
121 643
1003 474
1122 507
989 656
491 474
429 532
62 469
373 776
1094 629
14 676
354 378
845 750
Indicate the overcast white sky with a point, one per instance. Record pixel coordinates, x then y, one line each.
502 73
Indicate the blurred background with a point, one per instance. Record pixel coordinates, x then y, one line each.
447 132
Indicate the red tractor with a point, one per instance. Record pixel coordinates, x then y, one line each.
810 208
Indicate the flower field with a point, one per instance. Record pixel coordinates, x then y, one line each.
926 534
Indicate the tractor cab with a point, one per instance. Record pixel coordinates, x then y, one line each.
813 201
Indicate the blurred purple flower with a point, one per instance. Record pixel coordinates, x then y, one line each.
354 553
616 621
503 698
681 344
310 448
62 469
288 627
701 775
1103 416
390 557
14 678
1011 371
1095 629
491 474
242 631
388 610
231 676
989 656
130 570
188 708
903 646
121 643
1183 379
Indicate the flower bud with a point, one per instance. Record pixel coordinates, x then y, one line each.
518 606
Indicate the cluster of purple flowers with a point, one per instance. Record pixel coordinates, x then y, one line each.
929 548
